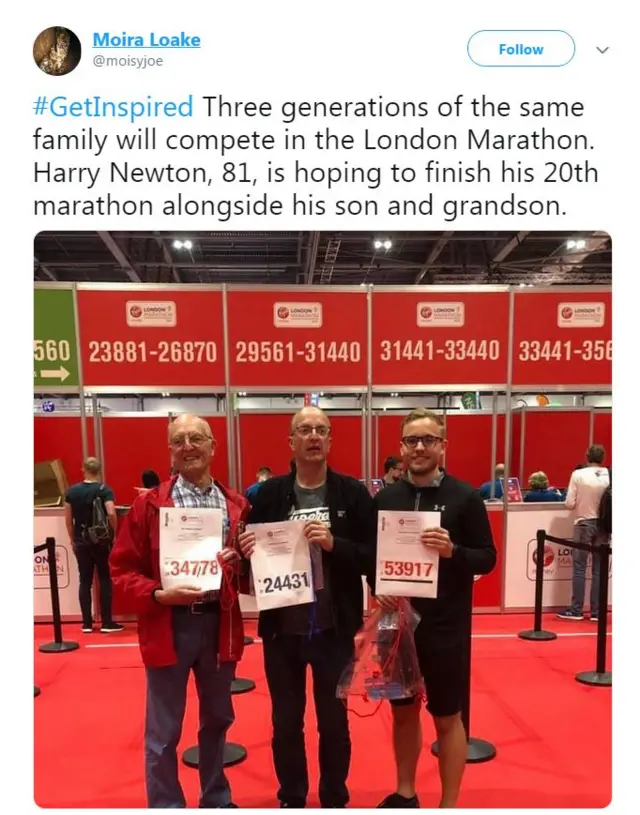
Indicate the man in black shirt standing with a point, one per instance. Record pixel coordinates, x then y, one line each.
465 547
78 516
340 529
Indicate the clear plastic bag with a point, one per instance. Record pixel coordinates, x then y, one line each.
385 664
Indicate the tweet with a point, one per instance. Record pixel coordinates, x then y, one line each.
322 316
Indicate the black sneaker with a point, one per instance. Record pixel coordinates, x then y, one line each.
292 804
569 615
397 801
87 629
110 628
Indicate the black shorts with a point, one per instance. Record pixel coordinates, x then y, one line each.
442 657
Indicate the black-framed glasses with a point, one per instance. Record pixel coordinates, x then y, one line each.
307 429
427 441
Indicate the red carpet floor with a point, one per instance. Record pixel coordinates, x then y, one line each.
553 735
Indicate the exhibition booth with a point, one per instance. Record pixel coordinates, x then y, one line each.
234 346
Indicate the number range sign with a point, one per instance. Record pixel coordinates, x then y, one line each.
436 337
562 338
297 338
152 338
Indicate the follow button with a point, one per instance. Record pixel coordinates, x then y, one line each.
521 49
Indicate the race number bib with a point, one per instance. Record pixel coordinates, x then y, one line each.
281 565
406 568
190 541
322 515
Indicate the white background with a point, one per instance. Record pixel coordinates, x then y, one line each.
331 50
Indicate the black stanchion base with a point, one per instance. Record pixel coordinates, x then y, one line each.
233 754
249 640
594 678
36 690
242 686
58 647
537 635
478 751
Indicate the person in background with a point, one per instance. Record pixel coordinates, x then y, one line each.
585 490
182 629
392 470
539 489
263 474
340 529
485 489
91 556
465 547
150 479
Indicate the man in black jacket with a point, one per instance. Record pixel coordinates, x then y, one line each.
340 529
465 547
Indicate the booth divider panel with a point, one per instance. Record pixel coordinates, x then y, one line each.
602 434
555 442
60 437
516 424
469 450
264 442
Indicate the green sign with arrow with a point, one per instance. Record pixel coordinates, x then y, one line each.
55 354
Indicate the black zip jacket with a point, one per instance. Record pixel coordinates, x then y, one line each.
464 516
354 533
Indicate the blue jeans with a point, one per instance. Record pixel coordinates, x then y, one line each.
196 640
585 532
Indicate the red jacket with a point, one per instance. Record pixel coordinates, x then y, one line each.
135 571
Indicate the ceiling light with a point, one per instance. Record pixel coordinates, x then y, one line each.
182 245
377 244
387 244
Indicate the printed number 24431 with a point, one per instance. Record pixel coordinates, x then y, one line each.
287 581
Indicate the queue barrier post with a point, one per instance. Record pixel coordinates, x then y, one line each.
600 676
479 751
537 633
58 646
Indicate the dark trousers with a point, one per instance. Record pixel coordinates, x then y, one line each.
92 556
285 661
195 638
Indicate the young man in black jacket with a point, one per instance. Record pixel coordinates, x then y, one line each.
465 547
341 526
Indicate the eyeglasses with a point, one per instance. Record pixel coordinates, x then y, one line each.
306 430
427 441
194 439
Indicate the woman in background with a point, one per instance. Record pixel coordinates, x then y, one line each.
539 489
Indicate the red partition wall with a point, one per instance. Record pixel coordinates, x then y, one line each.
264 442
133 444
468 454
555 441
516 424
602 434
60 437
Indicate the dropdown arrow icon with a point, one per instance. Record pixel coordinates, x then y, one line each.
602 50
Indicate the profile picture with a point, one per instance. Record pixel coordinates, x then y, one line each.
57 51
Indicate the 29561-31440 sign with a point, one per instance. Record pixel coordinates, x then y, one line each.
166 337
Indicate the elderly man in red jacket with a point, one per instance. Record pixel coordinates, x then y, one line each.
181 629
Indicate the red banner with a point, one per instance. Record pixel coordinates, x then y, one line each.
297 338
444 338
562 338
151 338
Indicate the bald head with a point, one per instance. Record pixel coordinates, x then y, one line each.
309 413
189 423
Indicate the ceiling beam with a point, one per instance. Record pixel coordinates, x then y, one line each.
508 248
312 255
433 255
45 269
168 259
120 256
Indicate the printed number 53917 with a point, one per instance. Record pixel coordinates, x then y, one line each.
400 568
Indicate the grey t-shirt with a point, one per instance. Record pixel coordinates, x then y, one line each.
301 620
